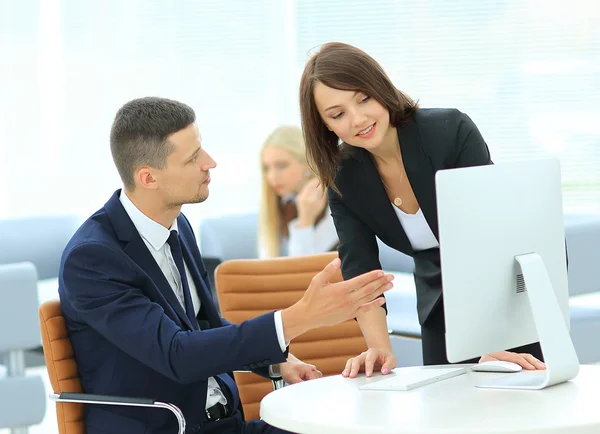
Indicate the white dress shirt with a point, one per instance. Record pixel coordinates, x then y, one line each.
155 237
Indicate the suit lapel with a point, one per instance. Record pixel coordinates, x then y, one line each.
420 173
192 263
373 196
138 251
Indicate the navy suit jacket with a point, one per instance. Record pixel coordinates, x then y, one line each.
131 336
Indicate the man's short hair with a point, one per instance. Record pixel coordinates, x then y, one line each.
140 131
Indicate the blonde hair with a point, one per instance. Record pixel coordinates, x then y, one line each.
289 138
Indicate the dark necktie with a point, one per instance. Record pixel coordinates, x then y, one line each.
175 244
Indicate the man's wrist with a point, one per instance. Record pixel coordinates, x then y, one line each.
294 320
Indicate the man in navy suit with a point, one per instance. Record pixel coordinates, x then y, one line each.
134 292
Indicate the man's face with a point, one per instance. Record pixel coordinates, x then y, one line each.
185 177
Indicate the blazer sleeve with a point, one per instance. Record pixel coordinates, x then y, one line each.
101 284
263 371
471 149
358 248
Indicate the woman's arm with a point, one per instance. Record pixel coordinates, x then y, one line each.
471 148
359 253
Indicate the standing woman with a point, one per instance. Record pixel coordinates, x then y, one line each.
294 217
377 152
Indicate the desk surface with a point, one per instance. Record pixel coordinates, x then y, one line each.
335 405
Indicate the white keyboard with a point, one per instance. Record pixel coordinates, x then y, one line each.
413 377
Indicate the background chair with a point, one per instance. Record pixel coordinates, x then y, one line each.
22 398
231 236
64 377
41 241
583 244
248 288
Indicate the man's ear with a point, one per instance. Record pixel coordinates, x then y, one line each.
145 178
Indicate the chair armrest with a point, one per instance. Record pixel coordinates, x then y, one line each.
87 398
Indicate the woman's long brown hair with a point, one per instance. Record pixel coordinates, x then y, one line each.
344 67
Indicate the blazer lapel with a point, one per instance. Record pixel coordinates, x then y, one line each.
420 173
138 251
376 202
201 289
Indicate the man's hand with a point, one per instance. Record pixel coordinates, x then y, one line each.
325 303
378 359
296 371
527 361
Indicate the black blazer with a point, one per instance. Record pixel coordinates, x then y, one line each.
435 139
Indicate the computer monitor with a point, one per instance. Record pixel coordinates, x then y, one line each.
503 261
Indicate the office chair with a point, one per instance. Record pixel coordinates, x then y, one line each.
64 377
248 288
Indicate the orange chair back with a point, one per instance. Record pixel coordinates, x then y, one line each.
248 288
62 369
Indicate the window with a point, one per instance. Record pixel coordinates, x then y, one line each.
526 71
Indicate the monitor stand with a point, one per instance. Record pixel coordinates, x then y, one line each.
560 357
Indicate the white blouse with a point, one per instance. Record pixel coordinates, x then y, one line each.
417 230
311 240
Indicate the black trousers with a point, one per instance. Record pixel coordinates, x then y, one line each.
235 424
433 335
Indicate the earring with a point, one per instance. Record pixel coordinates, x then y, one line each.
307 173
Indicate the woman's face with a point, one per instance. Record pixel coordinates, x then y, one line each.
284 173
354 117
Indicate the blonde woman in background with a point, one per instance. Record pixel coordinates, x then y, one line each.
294 216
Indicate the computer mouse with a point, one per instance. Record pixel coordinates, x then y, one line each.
496 366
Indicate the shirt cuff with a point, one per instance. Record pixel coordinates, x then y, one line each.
279 329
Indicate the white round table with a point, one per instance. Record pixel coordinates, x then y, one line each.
335 405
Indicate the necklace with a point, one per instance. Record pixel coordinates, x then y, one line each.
397 199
